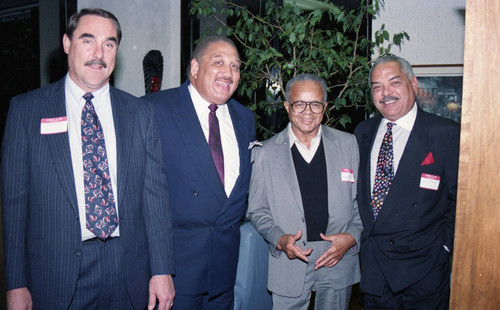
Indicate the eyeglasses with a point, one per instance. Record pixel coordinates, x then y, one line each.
300 106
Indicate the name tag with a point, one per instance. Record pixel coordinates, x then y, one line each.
50 126
347 175
429 181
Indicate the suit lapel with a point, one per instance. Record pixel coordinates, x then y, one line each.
124 122
284 161
418 145
332 157
191 132
241 138
244 153
54 105
366 146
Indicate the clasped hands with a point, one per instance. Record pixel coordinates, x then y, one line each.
340 243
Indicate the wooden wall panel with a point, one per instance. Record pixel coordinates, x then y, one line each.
476 261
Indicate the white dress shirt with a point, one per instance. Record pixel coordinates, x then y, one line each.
228 137
307 153
102 106
400 134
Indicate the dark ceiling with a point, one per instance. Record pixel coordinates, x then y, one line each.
7 4
254 4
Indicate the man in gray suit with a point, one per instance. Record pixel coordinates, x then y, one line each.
87 223
303 201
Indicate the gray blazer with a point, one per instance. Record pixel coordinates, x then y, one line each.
275 207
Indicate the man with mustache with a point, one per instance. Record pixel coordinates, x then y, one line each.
205 136
87 223
407 192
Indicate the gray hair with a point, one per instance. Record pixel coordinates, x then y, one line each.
405 66
305 77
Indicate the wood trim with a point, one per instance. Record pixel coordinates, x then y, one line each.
476 261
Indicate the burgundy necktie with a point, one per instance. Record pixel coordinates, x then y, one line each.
214 141
100 206
384 172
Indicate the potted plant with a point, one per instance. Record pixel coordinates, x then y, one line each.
307 36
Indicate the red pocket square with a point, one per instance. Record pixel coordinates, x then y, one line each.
429 159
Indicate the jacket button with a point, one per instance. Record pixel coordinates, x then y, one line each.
304 243
392 241
414 204
303 221
195 193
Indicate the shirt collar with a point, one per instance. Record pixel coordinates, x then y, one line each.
77 93
293 139
406 121
200 103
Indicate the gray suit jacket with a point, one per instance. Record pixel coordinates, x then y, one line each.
275 207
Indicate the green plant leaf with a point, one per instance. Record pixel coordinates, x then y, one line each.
329 41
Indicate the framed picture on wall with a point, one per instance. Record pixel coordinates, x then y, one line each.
441 95
440 90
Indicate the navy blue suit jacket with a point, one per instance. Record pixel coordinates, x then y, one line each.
406 242
206 221
42 235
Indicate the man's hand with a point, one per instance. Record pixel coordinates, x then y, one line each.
19 299
286 243
340 244
161 288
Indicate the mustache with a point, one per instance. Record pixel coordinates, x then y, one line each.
99 62
227 79
388 98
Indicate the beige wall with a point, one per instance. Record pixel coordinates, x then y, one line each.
146 25
436 29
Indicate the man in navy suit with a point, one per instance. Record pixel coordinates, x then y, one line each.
406 200
208 189
58 254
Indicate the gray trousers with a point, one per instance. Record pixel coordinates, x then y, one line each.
327 298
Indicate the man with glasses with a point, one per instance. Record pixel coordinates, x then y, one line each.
303 201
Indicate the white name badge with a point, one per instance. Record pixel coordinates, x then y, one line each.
50 126
347 175
429 181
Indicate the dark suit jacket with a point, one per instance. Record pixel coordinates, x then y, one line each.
40 214
206 221
406 242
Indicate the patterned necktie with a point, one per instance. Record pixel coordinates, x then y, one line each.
214 141
100 207
384 172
